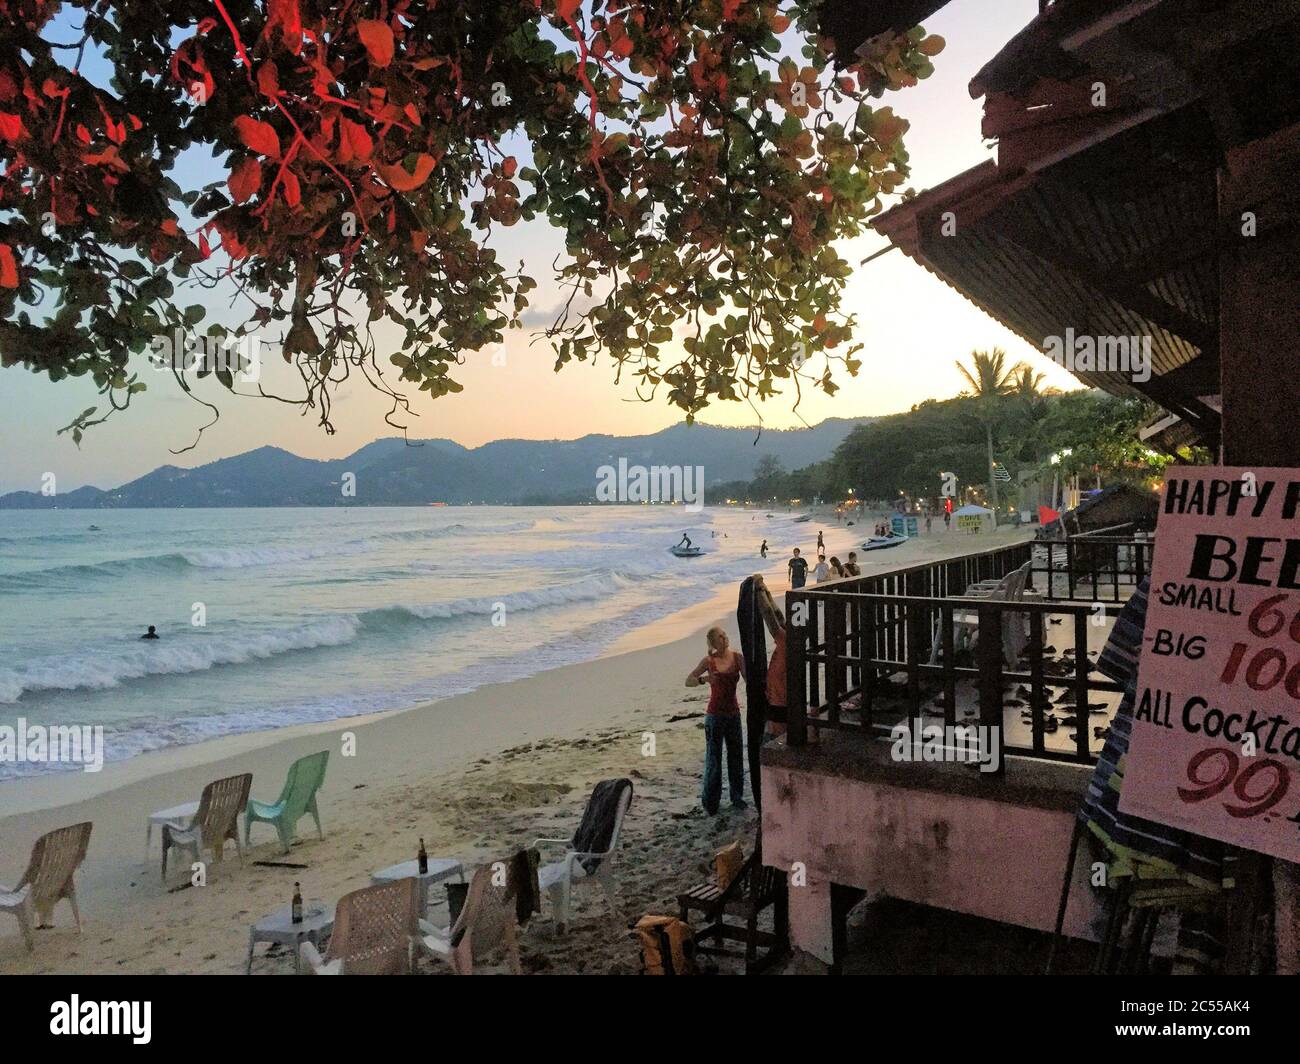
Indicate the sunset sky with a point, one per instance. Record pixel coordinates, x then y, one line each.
912 325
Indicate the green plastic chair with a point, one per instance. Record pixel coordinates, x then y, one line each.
297 799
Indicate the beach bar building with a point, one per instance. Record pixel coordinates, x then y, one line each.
1145 195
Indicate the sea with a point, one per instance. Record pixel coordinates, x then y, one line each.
275 617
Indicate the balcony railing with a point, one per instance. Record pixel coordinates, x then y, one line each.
858 636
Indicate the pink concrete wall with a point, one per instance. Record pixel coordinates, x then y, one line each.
972 855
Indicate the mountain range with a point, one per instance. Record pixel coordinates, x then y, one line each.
395 472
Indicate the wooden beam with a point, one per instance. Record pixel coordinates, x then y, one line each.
1259 311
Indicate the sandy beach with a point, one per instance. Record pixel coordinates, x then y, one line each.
475 776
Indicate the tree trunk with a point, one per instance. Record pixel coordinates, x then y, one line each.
993 484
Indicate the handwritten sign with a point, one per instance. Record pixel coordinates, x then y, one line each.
1215 748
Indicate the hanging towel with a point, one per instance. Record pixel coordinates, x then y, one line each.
753 646
521 878
597 827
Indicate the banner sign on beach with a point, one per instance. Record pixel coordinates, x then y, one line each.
1216 731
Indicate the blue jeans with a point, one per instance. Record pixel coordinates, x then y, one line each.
720 730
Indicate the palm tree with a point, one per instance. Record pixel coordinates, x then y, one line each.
990 383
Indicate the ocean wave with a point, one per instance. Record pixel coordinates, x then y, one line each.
585 589
250 557
108 667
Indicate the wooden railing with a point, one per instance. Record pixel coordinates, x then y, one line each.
848 640
1093 567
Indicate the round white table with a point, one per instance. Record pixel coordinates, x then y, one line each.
317 922
182 816
440 870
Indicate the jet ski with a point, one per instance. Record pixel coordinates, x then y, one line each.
686 552
882 542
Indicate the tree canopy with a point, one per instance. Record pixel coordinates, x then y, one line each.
1041 434
366 150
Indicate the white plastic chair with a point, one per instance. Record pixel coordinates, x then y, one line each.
558 878
48 880
965 624
486 923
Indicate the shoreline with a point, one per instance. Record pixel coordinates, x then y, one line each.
50 790
475 775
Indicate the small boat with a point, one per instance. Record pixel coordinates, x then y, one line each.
686 552
802 518
881 542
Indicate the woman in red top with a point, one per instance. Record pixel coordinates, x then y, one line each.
722 666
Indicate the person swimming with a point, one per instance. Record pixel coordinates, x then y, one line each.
151 634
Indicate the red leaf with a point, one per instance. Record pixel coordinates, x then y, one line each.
245 179
205 249
354 141
292 192
11 126
258 136
285 15
8 268
400 178
378 39
623 47
508 166
566 9
170 227
268 79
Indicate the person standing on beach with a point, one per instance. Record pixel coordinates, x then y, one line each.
762 551
722 666
798 569
928 520
822 571
821 544
851 566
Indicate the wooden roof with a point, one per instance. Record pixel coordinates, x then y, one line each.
1104 218
850 23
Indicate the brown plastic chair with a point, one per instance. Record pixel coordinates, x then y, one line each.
48 879
373 931
485 925
216 821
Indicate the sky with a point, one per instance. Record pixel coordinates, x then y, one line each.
914 327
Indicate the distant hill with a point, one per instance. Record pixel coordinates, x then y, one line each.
391 472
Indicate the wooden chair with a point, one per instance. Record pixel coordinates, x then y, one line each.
48 879
216 821
743 900
373 931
